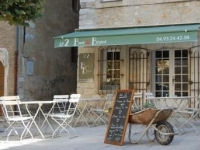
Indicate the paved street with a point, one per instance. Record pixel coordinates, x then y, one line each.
93 139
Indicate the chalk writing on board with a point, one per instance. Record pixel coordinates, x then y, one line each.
119 118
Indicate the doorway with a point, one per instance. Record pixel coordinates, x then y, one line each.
170 74
1 83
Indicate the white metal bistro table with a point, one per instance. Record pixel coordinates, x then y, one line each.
84 110
39 110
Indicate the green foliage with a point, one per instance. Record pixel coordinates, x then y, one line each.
18 12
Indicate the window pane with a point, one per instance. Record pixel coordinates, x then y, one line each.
158 54
178 70
109 55
185 78
165 78
177 62
177 53
184 53
158 78
184 62
116 73
116 56
177 86
165 54
166 71
185 87
117 65
185 70
178 78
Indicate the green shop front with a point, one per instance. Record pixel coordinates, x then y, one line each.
160 59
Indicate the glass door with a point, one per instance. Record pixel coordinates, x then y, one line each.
171 73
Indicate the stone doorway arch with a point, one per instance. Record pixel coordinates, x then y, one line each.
3 73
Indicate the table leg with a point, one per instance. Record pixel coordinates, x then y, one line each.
81 114
34 118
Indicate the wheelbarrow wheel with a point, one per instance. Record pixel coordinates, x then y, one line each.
164 127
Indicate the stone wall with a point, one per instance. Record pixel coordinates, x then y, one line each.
131 13
53 71
8 45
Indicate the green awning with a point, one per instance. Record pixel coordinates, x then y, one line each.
126 36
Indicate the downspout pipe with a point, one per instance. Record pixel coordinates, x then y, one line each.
16 60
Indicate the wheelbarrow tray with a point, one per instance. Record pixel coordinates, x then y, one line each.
147 115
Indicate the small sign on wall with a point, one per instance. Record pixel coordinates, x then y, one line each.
86 67
30 67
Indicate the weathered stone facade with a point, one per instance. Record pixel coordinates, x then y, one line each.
42 70
53 72
128 13
7 55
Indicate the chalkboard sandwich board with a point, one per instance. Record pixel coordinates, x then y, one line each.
118 122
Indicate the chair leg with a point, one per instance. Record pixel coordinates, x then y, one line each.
100 117
60 125
48 124
63 126
191 124
68 125
26 130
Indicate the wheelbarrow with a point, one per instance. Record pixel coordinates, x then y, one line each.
153 119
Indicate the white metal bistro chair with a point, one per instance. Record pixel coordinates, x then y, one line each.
13 116
137 102
190 115
150 100
59 106
100 113
137 106
63 119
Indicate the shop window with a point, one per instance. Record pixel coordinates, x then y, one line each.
110 69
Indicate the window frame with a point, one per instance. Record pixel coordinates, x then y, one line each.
113 82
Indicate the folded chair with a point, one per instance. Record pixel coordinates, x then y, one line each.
100 112
63 119
59 106
14 117
137 101
190 115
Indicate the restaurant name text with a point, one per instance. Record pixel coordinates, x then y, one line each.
94 41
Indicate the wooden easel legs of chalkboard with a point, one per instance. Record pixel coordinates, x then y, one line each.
163 131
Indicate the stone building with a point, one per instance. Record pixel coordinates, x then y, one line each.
30 65
142 45
44 71
7 59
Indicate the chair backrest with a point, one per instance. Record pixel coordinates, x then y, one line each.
73 103
137 102
61 102
10 106
109 97
138 95
150 95
108 102
150 100
60 97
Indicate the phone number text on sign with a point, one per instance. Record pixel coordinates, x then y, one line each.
172 38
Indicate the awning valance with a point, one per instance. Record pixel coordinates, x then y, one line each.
126 36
